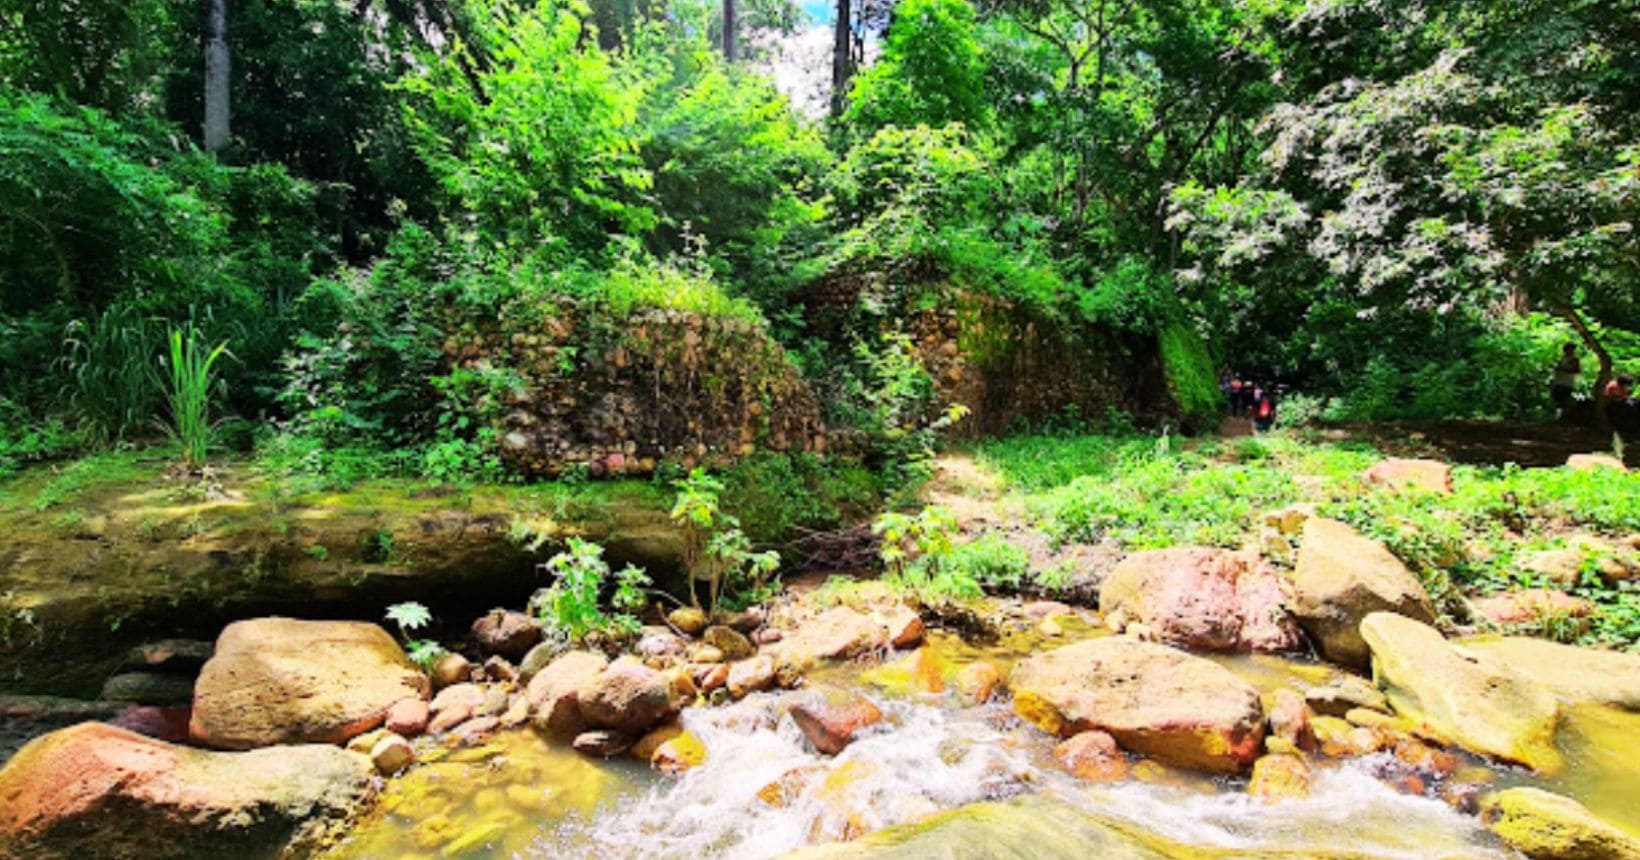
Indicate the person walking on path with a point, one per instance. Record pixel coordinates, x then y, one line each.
1563 382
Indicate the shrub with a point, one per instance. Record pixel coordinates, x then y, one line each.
571 607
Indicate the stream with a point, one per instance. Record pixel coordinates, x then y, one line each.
764 792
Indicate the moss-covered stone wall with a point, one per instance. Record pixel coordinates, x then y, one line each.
619 396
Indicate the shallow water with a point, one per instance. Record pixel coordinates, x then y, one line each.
763 792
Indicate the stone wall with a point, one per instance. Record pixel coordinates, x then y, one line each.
1011 365
620 397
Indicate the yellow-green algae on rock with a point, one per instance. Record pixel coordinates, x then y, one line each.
1546 826
1474 701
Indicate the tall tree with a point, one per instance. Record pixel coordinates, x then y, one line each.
216 74
730 49
842 57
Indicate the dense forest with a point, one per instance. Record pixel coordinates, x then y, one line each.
1393 209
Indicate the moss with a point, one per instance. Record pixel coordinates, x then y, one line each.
1190 377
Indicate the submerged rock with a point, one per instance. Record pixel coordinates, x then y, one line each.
1547 826
1340 696
1202 599
97 791
1576 675
831 719
1028 829
1341 578
979 681
603 743
280 680
1155 700
1476 702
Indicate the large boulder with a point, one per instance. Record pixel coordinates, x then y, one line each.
283 681
628 698
836 634
509 633
1155 700
98 791
1429 476
1547 826
1202 599
1474 701
554 693
1341 578
1576 675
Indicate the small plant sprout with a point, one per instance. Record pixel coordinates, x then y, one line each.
409 616
190 381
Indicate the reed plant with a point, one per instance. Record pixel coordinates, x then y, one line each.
112 385
189 385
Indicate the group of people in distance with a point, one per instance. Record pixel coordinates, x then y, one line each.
1618 394
1248 399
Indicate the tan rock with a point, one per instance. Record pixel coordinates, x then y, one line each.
1202 599
979 681
1547 826
751 675
1430 476
1279 777
280 680
628 697
1344 694
466 695
679 754
1155 700
392 754
1575 675
904 625
94 791
687 620
451 669
1586 462
1290 719
1478 703
730 643
838 633
1341 578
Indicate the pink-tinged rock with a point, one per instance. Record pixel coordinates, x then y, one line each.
475 730
831 719
96 791
1154 700
167 723
1430 476
555 693
1202 599
1046 608
469 696
711 676
506 633
1092 756
280 680
408 717
1532 606
449 718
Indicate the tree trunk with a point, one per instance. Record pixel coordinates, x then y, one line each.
1602 420
731 51
842 60
216 74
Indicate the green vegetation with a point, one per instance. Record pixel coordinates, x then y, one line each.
408 617
1141 492
189 386
571 608
716 551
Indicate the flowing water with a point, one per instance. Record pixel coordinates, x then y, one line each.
764 792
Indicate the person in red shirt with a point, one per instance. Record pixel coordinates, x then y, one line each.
1619 389
1621 410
